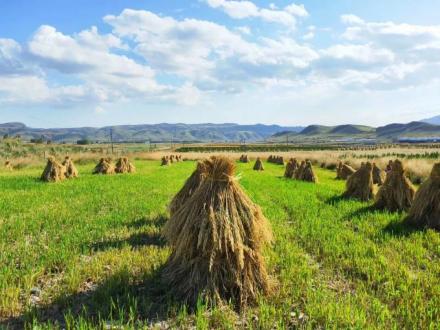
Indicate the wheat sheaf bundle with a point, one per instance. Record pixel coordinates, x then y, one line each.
258 166
378 175
291 167
360 184
123 165
298 175
54 171
216 239
308 174
190 186
71 171
165 161
425 210
344 171
104 166
397 192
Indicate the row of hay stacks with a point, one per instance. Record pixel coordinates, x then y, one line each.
167 160
55 171
276 160
303 171
244 159
344 171
216 234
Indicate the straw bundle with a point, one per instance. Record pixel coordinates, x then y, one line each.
425 210
54 171
298 175
190 186
397 192
291 168
360 184
258 166
308 173
378 175
8 165
344 171
71 171
165 161
216 239
104 166
123 165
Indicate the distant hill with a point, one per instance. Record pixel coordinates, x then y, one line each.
434 120
322 131
413 129
155 133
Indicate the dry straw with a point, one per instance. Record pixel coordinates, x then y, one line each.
258 166
123 165
378 175
165 161
397 192
104 166
291 168
425 210
308 173
8 165
217 238
54 171
344 171
190 186
360 184
71 171
298 175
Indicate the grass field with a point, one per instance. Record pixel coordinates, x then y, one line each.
87 253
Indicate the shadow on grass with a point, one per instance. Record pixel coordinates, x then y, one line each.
335 200
151 235
400 229
121 297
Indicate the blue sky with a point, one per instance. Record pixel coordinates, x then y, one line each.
103 62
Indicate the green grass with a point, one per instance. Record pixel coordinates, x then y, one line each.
92 246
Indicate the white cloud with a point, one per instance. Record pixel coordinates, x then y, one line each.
247 9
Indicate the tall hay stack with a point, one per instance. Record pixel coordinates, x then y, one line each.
123 165
216 239
291 168
258 166
71 171
105 167
344 171
378 175
54 171
425 210
308 173
397 192
360 184
298 175
190 186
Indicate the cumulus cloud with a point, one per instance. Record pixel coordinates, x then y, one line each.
247 9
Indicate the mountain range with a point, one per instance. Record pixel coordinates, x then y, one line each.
153 133
227 132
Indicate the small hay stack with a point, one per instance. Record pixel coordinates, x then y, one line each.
344 171
104 166
54 171
308 173
360 184
244 159
123 165
71 171
425 210
291 168
8 165
216 240
298 175
270 159
165 161
280 160
258 166
397 192
378 175
190 186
